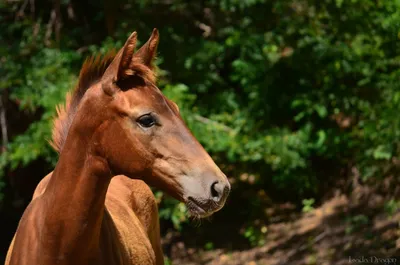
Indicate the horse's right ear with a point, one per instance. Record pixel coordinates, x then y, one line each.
119 68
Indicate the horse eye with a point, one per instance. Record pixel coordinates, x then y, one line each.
146 121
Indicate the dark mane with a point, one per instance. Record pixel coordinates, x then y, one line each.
92 70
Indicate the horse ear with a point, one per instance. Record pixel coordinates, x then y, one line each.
128 63
121 63
148 51
126 55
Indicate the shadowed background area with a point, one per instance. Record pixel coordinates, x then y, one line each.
297 101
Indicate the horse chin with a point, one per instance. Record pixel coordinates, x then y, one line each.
200 208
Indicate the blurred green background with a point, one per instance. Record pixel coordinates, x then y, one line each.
298 101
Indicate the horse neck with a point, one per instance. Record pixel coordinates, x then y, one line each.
75 197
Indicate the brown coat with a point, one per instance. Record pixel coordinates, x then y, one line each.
130 227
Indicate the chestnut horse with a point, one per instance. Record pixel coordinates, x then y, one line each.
116 123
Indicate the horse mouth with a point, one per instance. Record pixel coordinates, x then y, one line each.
197 209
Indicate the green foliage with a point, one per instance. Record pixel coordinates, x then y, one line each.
209 246
308 205
255 236
167 261
171 210
392 206
355 223
270 88
44 85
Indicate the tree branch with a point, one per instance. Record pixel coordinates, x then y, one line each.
3 123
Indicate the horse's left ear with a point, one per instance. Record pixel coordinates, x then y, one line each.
147 53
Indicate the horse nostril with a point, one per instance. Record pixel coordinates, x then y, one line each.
219 191
216 190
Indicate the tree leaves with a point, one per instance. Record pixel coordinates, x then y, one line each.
271 87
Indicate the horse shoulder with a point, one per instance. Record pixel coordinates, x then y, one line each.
144 205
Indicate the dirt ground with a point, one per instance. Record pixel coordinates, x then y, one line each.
342 230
